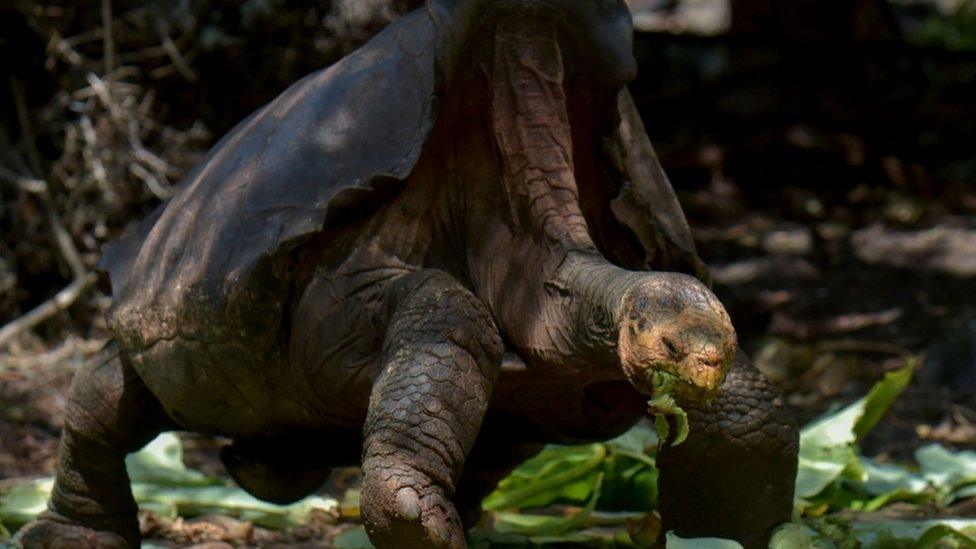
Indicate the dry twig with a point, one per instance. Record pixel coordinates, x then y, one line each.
69 252
60 302
107 38
29 185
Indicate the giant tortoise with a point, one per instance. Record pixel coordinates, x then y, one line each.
446 250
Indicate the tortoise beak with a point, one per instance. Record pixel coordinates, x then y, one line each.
702 380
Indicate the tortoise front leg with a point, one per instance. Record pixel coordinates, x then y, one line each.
440 363
734 475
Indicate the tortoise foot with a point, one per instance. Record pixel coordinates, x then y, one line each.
412 520
52 531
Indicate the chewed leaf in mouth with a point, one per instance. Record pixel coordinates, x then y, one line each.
663 404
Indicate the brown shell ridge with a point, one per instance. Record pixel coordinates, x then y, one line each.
329 143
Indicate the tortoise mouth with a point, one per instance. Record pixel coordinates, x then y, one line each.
689 388
687 381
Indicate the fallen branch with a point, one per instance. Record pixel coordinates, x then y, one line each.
69 349
60 302
63 240
39 188
179 62
29 185
107 38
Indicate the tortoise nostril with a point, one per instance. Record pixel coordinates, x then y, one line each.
715 362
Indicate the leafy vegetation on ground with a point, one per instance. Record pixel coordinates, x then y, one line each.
163 485
605 494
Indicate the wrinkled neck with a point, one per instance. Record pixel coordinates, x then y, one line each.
597 289
518 199
532 130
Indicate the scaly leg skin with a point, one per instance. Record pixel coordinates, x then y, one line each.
110 412
734 475
440 362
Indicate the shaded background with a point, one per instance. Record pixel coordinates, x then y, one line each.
825 153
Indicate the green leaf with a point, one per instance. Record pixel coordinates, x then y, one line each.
640 440
826 450
555 473
797 536
880 398
546 525
937 534
828 446
675 542
965 492
21 503
664 405
950 472
568 475
880 501
202 500
629 482
681 418
908 533
162 483
661 428
161 462
885 478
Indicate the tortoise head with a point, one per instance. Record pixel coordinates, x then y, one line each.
675 334
601 31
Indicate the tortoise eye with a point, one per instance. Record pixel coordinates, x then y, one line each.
671 347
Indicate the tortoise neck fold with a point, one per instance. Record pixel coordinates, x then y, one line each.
532 129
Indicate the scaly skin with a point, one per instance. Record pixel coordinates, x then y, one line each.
109 413
441 362
397 324
741 446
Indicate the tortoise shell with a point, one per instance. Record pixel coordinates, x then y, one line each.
211 264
